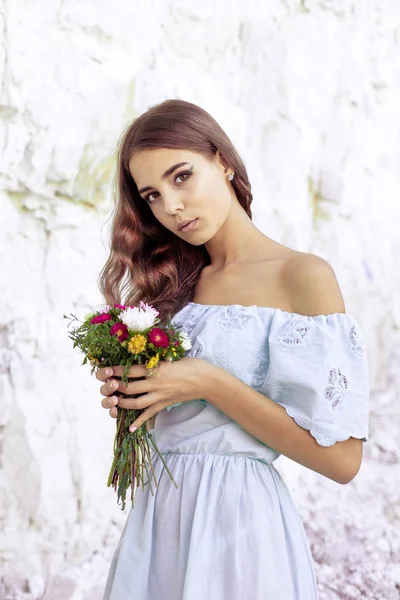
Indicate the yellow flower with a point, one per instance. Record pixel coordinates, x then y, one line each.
137 344
152 362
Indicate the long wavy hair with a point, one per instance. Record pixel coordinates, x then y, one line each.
147 262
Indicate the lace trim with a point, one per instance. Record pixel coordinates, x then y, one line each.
294 332
322 434
355 343
335 392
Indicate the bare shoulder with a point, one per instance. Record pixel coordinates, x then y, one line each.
311 284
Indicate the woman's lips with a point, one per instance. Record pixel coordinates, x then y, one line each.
190 225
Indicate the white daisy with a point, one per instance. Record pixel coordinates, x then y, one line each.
139 318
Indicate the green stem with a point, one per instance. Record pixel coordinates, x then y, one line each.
149 478
111 475
153 473
162 459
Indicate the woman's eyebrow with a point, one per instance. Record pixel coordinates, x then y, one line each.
167 173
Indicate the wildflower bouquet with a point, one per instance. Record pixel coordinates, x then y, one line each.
127 335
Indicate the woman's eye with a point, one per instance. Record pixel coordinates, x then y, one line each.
149 199
183 176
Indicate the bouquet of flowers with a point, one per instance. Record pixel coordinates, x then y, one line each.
127 335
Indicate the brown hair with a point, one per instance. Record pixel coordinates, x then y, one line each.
159 267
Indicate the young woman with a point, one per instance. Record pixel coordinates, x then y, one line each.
276 367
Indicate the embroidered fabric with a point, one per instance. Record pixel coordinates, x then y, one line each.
356 344
335 393
233 318
326 389
294 331
316 367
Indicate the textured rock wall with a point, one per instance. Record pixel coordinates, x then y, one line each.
309 92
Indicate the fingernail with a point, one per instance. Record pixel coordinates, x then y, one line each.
132 429
108 371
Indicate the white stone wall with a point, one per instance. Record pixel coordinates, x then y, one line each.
309 92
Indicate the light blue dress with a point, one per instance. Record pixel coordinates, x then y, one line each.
231 531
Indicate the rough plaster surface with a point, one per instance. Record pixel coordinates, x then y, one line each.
309 92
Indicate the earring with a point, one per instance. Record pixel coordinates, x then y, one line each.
231 176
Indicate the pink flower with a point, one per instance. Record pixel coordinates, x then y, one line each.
149 308
121 306
120 331
158 338
101 318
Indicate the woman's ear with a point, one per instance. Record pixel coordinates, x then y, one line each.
221 162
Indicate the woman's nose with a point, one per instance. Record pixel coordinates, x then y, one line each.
172 203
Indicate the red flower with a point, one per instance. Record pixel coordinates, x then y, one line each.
158 338
121 306
120 330
101 318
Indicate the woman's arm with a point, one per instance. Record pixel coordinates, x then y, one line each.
313 288
270 423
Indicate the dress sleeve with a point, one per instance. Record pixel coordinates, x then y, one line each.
318 371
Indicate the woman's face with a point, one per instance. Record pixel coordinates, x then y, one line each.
181 185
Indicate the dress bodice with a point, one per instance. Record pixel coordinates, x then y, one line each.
316 367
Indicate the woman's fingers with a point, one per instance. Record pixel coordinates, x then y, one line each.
133 387
129 403
138 403
109 402
101 374
110 384
147 415
118 371
109 387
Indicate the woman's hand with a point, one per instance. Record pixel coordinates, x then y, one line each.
172 382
